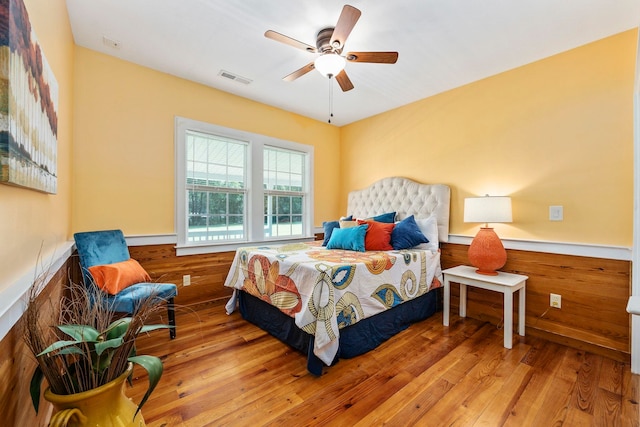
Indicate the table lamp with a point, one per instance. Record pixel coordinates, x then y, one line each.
486 251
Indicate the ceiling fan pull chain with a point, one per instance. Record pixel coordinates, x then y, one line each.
330 98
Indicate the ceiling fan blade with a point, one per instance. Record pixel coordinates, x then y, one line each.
273 35
376 57
343 81
346 22
299 73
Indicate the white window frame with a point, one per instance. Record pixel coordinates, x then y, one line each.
255 191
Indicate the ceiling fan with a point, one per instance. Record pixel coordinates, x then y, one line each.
329 44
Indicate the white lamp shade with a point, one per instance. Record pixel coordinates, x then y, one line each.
487 209
329 64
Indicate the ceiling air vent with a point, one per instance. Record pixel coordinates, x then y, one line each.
234 77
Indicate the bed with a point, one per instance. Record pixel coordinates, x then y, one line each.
330 302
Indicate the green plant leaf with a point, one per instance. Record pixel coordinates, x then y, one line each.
34 387
153 366
102 362
105 345
80 332
71 350
118 328
57 345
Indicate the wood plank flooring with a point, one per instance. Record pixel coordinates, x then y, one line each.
224 371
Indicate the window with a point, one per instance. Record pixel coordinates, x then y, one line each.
216 187
284 192
235 188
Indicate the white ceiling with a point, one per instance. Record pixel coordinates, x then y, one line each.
442 44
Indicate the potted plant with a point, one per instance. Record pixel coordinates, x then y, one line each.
83 352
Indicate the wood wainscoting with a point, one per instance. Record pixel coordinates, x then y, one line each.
208 272
592 318
594 293
17 364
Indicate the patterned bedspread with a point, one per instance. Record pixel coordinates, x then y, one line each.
326 290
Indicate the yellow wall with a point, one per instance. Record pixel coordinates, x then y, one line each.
555 132
124 142
29 219
558 131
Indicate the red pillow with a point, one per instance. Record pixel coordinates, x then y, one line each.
378 237
112 278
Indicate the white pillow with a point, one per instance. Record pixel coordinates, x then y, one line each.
429 227
348 224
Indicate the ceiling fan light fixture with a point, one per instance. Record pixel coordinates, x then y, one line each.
329 64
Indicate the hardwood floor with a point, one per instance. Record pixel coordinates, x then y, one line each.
224 371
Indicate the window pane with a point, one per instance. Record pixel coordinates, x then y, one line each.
296 205
297 163
283 170
284 205
217 152
283 161
197 202
200 148
235 177
215 161
217 222
236 204
215 216
282 181
236 220
197 221
218 203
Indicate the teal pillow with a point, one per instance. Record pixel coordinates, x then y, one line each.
350 239
406 234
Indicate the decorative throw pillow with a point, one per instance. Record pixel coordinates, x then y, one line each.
350 239
112 278
378 237
388 217
347 223
328 229
429 227
406 234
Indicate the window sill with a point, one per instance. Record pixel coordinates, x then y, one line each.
182 250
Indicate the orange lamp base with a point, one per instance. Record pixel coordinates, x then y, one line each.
487 253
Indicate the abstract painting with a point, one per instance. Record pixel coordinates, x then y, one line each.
28 104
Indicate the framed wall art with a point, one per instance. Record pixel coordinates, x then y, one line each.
28 105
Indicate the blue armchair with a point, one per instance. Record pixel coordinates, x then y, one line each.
108 247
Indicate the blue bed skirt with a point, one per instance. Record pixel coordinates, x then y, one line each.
355 340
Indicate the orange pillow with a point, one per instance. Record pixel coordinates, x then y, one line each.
112 278
378 237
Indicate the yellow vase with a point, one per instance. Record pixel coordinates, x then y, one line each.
105 406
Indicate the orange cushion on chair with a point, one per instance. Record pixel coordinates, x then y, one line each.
112 278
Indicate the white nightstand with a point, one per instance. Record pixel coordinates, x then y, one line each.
506 283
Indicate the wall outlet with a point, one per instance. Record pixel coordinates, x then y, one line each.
186 280
555 301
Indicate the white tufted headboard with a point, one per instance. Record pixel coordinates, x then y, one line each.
405 197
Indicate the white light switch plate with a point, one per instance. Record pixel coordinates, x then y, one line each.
556 213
